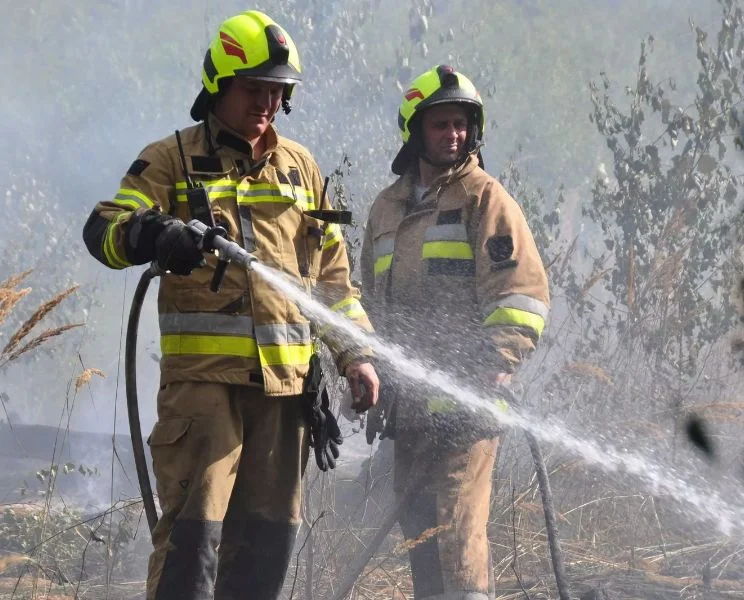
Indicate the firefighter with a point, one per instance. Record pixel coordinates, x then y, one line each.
230 444
450 270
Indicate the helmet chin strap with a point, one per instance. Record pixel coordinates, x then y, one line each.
447 164
442 164
286 106
452 164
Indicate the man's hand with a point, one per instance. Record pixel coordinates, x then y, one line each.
364 384
176 248
503 378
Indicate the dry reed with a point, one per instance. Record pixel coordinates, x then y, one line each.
38 341
9 296
583 369
86 376
43 310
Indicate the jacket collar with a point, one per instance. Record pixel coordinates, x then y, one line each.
403 187
223 137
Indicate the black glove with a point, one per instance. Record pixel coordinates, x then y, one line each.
325 434
381 417
176 248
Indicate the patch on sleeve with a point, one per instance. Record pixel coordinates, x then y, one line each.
500 249
138 167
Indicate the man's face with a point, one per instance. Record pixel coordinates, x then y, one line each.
444 128
248 106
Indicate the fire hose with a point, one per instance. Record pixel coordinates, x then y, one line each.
415 484
212 239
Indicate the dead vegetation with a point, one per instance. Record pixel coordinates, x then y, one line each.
18 343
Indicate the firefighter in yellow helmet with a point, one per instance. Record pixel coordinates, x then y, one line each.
230 444
450 269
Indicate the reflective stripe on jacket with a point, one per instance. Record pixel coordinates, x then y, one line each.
247 326
456 265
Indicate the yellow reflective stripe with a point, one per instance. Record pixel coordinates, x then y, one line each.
222 194
383 263
209 344
351 308
333 235
138 199
255 193
446 404
171 345
109 246
181 185
516 317
222 181
285 355
216 188
447 250
441 404
342 304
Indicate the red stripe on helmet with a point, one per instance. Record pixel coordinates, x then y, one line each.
233 51
226 38
413 93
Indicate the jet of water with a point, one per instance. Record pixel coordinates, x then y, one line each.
704 505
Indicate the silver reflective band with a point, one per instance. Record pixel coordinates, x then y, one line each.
283 333
384 246
454 232
206 323
520 302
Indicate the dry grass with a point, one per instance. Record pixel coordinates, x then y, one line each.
592 281
630 284
589 371
9 298
425 535
86 376
38 341
737 344
43 310
10 560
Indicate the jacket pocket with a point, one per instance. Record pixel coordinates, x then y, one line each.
168 431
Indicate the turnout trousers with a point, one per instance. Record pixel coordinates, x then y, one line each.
446 518
228 465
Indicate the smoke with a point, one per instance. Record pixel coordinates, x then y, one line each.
87 85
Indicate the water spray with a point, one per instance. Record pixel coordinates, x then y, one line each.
660 479
704 504
214 239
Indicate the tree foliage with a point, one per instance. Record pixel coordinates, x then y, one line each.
668 215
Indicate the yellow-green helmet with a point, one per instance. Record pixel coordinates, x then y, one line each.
249 45
439 85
